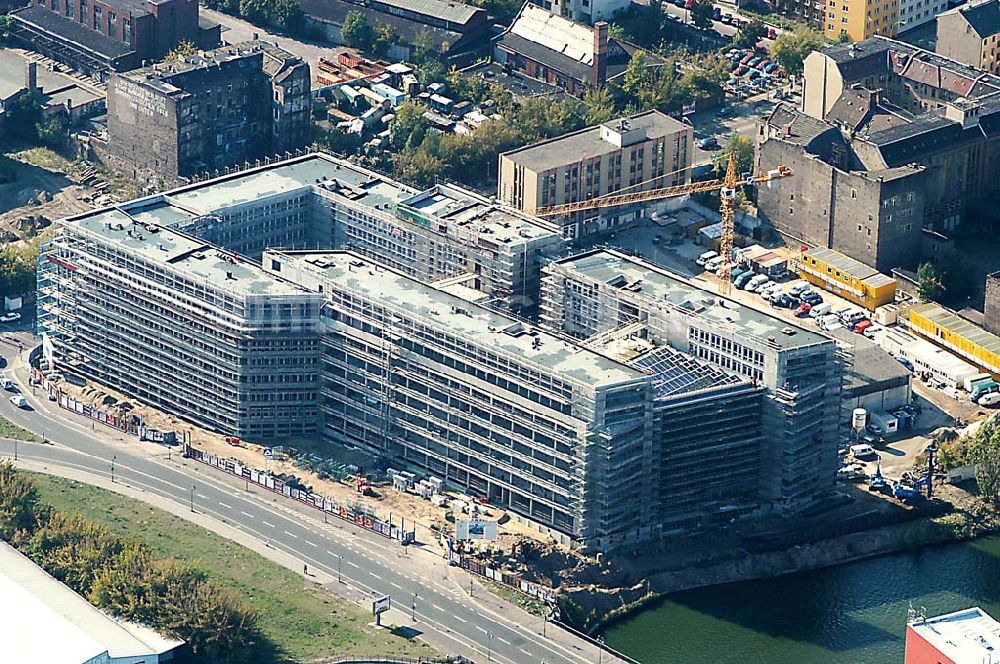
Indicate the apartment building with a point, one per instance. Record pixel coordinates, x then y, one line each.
970 33
601 291
204 112
180 325
914 13
646 151
98 36
892 144
558 434
855 20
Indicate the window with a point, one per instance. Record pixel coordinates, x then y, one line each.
83 11
112 21
854 193
127 30
97 18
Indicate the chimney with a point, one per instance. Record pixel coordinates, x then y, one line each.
599 74
31 76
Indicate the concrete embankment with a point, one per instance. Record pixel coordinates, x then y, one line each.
592 607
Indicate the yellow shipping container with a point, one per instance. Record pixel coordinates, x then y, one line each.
949 330
850 279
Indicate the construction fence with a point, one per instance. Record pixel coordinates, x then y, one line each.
470 564
122 421
352 512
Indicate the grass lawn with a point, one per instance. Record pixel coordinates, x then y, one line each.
10 430
305 622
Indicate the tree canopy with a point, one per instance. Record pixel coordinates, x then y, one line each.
743 148
750 34
17 269
701 14
356 32
791 48
122 577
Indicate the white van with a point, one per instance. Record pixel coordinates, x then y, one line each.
705 257
991 399
863 451
755 282
821 309
828 321
714 264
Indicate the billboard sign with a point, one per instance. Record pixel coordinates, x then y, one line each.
475 529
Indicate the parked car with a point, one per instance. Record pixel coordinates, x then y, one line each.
812 298
740 282
772 33
785 301
19 401
709 143
716 13
747 58
862 325
727 19
803 310
10 317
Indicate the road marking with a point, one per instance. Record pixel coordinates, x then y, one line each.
246 514
291 534
228 507
459 618
308 542
395 585
525 652
201 496
375 575
352 564
437 607
482 629
503 640
269 525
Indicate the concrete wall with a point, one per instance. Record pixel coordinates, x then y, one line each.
991 311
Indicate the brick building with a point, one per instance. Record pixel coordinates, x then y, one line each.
893 142
573 56
97 36
205 112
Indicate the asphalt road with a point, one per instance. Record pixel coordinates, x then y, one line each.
363 560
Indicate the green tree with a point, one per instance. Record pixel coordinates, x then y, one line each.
22 115
750 34
636 74
984 451
51 133
701 14
409 127
182 49
385 37
356 32
17 269
930 284
20 509
791 48
743 148
288 15
600 106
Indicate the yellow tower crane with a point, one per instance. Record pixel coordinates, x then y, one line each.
726 188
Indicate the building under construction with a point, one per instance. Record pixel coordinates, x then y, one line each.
601 292
180 325
318 201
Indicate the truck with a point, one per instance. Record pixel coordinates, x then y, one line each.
972 380
983 387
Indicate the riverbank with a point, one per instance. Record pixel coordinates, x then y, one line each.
594 607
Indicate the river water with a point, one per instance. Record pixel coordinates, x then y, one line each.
850 614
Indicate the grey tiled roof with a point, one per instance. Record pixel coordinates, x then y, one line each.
71 31
984 17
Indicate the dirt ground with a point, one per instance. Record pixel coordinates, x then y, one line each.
47 184
407 506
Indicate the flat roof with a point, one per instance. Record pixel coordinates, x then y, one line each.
658 285
185 254
487 327
52 83
42 620
184 203
872 365
465 208
925 351
957 325
969 635
850 266
587 143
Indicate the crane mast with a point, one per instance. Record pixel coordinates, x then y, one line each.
726 188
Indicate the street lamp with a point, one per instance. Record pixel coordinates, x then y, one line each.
340 562
113 458
489 646
413 608
600 649
15 449
192 497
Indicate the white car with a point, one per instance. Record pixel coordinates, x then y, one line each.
764 286
769 292
10 317
990 400
19 401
